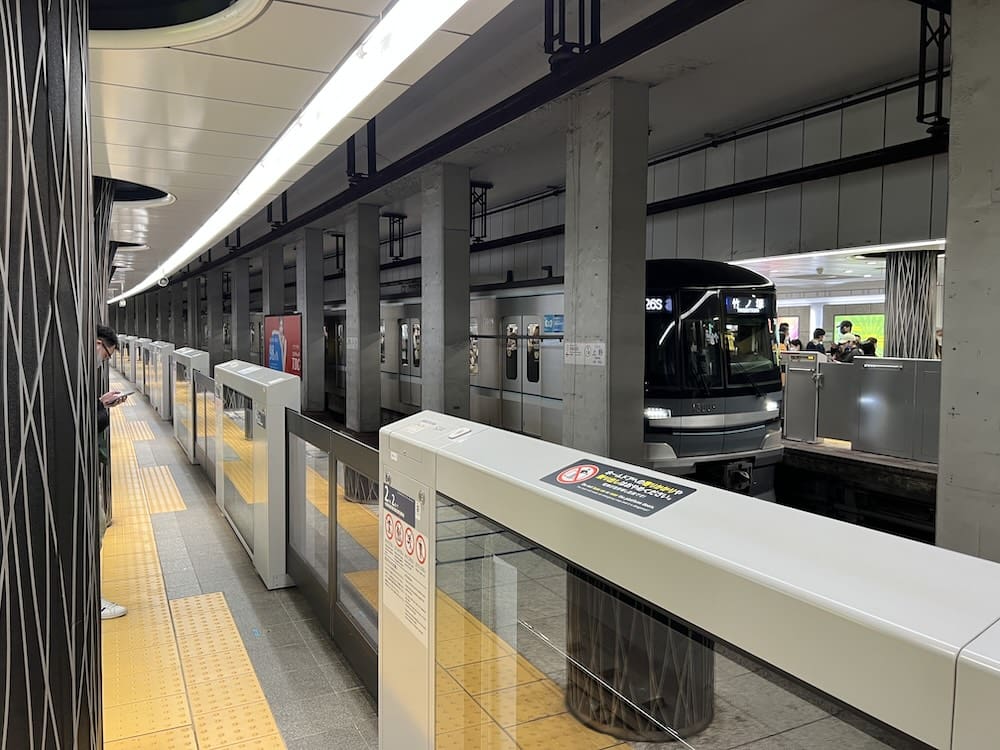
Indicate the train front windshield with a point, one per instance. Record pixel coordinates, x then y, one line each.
706 341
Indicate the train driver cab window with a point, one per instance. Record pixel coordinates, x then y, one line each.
510 354
661 343
701 340
750 339
534 352
404 343
416 343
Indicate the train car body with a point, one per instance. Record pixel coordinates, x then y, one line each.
712 384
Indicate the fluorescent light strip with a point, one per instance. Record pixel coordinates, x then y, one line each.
843 299
400 33
863 250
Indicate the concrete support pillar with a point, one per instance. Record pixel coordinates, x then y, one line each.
239 286
178 336
273 280
215 342
192 291
968 507
910 299
444 341
605 269
361 267
309 293
53 288
163 315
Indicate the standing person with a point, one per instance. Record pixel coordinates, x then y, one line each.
105 347
783 333
846 332
816 345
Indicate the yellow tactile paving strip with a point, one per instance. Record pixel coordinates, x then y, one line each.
175 674
162 495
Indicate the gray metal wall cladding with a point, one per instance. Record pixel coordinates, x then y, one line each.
910 296
49 600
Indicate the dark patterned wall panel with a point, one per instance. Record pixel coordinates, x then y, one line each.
104 201
49 599
910 295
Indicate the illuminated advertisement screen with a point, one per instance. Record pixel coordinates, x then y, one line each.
283 342
864 326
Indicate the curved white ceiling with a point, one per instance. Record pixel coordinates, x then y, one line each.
193 116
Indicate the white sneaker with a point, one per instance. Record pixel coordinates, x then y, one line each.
110 610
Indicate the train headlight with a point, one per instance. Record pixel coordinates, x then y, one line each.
772 405
656 412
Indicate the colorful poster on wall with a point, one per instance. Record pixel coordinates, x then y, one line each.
283 341
865 326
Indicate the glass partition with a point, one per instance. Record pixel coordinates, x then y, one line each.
533 652
183 404
204 411
333 535
309 506
358 548
238 467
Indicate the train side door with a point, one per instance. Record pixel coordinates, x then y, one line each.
409 361
520 376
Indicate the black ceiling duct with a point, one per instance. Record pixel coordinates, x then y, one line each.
121 15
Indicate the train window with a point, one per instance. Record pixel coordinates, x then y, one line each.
661 345
404 343
416 343
750 348
701 344
381 340
534 352
510 366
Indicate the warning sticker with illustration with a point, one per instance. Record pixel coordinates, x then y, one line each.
404 567
640 494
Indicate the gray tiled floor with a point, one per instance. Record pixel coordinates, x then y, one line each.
316 698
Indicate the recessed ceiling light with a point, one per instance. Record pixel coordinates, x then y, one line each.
873 263
868 275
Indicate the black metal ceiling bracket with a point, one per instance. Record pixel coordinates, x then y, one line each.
395 234
935 31
355 177
275 223
478 209
562 45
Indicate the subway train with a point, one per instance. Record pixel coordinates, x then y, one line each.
712 382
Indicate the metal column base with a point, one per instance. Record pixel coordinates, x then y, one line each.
633 673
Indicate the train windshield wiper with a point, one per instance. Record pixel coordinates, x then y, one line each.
749 377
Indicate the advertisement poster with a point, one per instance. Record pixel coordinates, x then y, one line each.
864 325
283 339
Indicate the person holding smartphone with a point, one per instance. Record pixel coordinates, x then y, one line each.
106 344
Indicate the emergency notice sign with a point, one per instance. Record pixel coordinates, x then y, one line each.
640 494
404 557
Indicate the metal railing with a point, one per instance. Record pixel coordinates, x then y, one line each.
333 535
